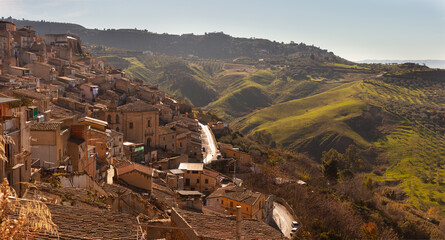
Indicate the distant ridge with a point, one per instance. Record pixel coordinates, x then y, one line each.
215 45
427 62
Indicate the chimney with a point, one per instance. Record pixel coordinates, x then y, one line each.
238 222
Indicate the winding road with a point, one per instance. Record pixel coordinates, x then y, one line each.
282 218
209 143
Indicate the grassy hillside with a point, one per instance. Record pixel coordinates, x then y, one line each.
402 115
416 149
313 106
293 122
229 88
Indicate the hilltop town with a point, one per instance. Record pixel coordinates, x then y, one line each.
116 158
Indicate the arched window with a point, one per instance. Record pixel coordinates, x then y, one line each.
117 118
109 119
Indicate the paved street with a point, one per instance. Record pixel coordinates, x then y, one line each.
282 218
209 143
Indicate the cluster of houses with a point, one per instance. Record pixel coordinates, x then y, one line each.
130 151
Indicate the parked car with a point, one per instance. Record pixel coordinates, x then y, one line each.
293 231
295 224
224 180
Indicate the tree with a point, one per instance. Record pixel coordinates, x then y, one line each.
369 184
20 218
370 230
351 157
330 161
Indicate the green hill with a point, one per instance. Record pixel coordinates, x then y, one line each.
401 116
322 117
394 112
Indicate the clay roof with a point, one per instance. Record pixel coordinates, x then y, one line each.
29 94
163 130
188 193
176 171
191 166
81 223
138 106
135 167
210 173
94 120
162 106
222 227
45 126
236 193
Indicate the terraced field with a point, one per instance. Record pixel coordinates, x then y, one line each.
416 153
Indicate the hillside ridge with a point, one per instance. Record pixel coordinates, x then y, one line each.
210 45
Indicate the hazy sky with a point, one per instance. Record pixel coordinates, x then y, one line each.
353 29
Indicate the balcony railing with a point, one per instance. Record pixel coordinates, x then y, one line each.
9 123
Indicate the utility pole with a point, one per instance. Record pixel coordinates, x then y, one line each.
234 171
238 222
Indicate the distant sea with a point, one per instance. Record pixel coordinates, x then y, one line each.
429 63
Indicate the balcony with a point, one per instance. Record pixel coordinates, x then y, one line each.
9 124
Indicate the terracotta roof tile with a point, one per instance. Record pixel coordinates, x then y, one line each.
221 227
135 167
81 223
236 193
191 166
45 126
29 94
138 106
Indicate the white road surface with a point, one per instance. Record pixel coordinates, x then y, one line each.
282 218
208 141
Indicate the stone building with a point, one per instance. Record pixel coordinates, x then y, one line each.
138 121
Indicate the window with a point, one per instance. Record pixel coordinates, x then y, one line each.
163 138
187 182
26 164
207 181
180 144
131 125
8 151
195 172
173 136
117 130
148 123
197 180
117 118
109 119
